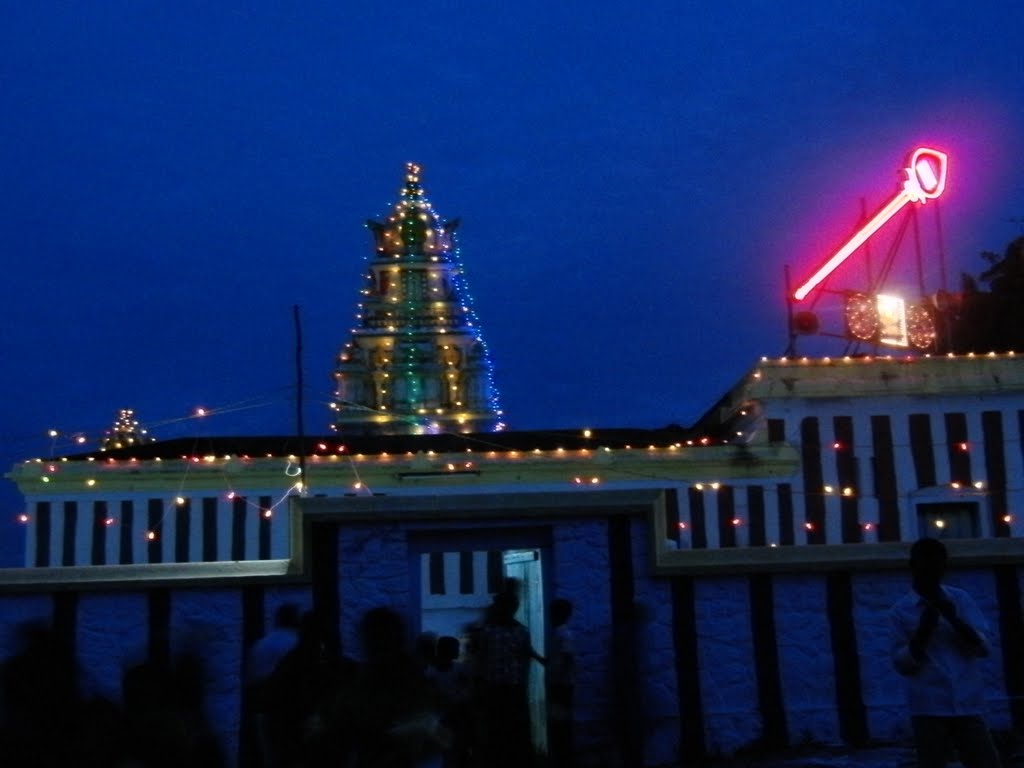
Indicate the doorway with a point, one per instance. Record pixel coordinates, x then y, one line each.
457 574
524 569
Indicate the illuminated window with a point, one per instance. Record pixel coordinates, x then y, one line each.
949 520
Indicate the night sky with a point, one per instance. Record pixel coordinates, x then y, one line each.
631 180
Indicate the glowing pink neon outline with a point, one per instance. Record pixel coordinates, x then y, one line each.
915 190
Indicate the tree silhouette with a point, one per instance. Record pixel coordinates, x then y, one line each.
980 321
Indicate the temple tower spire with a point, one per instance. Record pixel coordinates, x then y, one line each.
416 362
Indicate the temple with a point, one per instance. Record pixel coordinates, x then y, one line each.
731 577
416 362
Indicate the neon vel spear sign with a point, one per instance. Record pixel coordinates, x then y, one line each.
926 178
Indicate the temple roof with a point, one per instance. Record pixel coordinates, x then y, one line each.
413 228
291 445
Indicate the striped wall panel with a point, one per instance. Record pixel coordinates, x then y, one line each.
863 478
120 531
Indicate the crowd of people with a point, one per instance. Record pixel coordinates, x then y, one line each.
457 702
449 702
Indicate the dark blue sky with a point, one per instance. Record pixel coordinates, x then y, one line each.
631 178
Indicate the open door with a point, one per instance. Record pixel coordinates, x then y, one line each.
458 574
524 566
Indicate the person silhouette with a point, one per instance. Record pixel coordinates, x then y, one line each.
392 710
261 661
938 641
561 680
504 656
451 679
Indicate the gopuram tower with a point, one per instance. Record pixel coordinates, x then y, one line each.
416 362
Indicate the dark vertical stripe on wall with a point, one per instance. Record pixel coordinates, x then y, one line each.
154 546
698 533
995 470
766 661
159 624
70 533
672 514
126 523
956 439
98 555
182 530
922 449
326 590
238 510
210 528
1020 431
884 464
43 533
495 571
620 566
1011 636
853 723
627 703
465 573
684 640
435 567
65 619
776 430
253 609
846 474
726 517
787 534
814 500
755 510
266 519
254 619
849 512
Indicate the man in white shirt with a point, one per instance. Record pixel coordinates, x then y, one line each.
938 639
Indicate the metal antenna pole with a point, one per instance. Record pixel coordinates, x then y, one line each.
791 346
942 245
917 254
298 399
